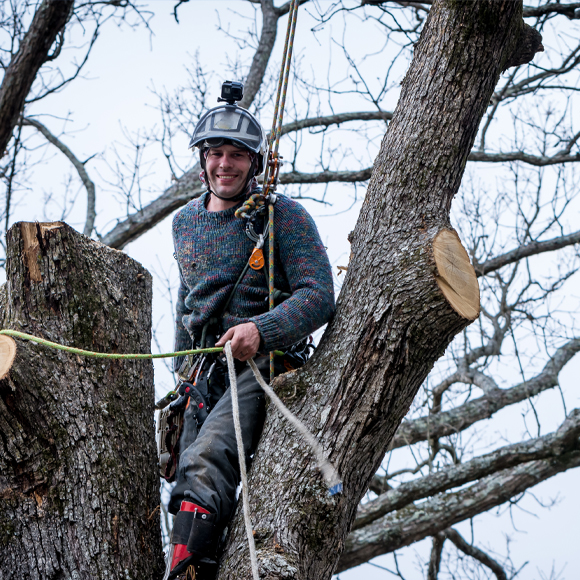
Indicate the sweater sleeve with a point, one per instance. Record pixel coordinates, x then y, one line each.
309 274
182 338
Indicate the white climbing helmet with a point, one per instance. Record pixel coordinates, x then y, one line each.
230 124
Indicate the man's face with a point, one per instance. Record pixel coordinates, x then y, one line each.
227 169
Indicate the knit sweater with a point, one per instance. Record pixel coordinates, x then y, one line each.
212 249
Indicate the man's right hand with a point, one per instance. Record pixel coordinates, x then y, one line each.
245 340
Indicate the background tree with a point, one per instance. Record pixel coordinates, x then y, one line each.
507 224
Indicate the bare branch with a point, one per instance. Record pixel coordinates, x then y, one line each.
563 440
572 10
326 176
531 249
435 558
536 160
336 120
399 529
48 21
78 165
476 553
186 188
462 417
469 377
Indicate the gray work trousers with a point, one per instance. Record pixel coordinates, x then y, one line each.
209 472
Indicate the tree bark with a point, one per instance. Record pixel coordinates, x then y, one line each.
48 21
392 320
78 476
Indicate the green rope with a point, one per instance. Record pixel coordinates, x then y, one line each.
90 353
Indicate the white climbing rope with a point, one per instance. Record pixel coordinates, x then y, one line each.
327 469
241 458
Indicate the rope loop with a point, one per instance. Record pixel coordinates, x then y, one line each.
255 201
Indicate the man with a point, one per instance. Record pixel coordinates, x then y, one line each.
220 297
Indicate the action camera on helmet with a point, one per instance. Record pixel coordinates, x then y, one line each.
232 91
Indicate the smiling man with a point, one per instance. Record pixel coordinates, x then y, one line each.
220 298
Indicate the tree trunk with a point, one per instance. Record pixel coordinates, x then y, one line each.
48 21
78 477
393 320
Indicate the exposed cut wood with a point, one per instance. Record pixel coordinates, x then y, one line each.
30 232
7 354
456 276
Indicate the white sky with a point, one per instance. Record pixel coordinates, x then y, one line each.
116 92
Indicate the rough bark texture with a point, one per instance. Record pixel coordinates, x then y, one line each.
78 477
48 21
392 321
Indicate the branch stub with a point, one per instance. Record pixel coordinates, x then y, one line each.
7 354
456 277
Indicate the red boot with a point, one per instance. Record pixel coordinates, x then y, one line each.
193 543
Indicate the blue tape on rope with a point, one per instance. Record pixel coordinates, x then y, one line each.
335 489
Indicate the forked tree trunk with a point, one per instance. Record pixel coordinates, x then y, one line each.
400 306
78 481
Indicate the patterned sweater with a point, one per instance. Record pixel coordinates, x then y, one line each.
212 249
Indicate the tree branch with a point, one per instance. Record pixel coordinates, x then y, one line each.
326 176
48 21
525 251
78 165
435 558
476 553
572 10
409 525
186 188
262 55
565 439
462 417
536 160
336 120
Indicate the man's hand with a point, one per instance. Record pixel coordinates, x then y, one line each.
245 340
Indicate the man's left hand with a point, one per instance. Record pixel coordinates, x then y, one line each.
245 340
